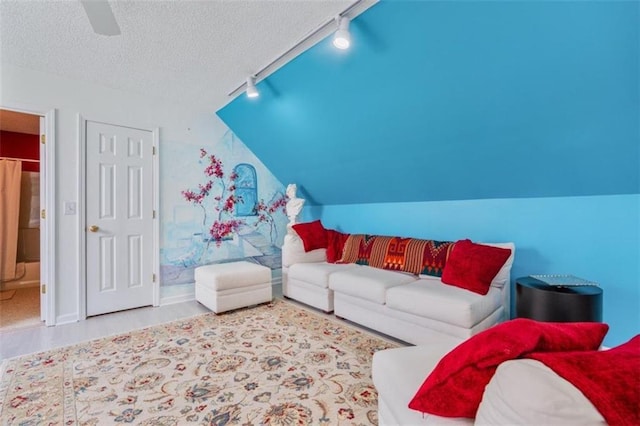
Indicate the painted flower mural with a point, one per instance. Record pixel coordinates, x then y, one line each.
224 224
225 199
266 213
224 207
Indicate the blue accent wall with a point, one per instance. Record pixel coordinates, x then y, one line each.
594 237
457 100
496 121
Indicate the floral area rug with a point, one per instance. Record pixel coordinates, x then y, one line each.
276 364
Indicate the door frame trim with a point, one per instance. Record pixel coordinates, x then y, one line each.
82 220
50 209
156 221
82 210
50 202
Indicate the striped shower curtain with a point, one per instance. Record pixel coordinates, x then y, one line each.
10 174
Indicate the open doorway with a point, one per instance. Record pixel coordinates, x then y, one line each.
23 191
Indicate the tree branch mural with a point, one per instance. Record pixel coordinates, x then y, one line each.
218 194
216 207
267 211
224 224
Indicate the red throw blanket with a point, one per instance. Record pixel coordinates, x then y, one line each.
455 386
609 379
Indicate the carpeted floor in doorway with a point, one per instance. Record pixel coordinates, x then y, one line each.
7 294
22 310
275 364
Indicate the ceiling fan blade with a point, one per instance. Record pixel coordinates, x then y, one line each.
101 17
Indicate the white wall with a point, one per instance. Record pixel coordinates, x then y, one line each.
27 89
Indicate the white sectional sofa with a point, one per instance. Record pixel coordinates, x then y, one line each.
415 309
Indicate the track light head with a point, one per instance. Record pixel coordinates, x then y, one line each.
342 37
252 91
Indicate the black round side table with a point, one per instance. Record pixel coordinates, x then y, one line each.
540 301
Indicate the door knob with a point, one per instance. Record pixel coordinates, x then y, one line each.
94 228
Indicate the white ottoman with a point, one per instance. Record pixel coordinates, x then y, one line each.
226 286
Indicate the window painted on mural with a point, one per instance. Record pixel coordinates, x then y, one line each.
246 183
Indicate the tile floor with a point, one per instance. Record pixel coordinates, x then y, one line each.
41 338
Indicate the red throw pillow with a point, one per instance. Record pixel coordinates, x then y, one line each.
313 235
610 379
335 245
455 386
473 266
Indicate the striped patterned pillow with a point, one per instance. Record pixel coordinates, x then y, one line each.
426 257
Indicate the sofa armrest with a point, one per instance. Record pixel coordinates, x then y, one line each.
502 280
503 277
293 252
398 373
547 398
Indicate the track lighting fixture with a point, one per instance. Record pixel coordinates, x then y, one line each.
341 40
342 37
252 92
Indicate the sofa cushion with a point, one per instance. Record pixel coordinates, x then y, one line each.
316 273
368 283
502 276
335 245
454 388
474 266
610 379
398 372
313 234
397 254
453 305
504 273
232 275
365 249
417 256
547 398
293 252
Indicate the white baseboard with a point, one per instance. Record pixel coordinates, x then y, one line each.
66 319
178 298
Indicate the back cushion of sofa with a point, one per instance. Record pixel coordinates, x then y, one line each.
504 273
293 252
365 249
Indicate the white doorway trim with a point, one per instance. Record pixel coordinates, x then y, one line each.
82 222
156 221
82 229
48 194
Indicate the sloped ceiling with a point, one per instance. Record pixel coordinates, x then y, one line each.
190 52
457 100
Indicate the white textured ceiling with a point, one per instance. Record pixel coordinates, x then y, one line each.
192 52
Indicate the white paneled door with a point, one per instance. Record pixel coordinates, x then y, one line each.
119 218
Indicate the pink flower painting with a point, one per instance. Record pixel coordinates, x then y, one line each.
224 199
266 213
